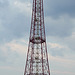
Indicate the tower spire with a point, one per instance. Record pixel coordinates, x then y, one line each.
37 57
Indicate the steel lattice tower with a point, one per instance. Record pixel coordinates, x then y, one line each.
37 57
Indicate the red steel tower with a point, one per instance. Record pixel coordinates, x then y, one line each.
37 57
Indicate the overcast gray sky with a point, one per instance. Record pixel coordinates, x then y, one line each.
15 19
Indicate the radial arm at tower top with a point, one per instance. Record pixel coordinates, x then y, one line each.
37 57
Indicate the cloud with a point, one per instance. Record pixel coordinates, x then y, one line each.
56 49
61 72
12 56
13 51
2 56
56 8
23 7
63 47
61 65
61 27
10 70
14 22
18 46
61 59
3 3
15 17
55 45
70 41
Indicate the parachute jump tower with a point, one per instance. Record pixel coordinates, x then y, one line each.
37 57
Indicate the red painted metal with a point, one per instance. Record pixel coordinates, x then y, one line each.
37 57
